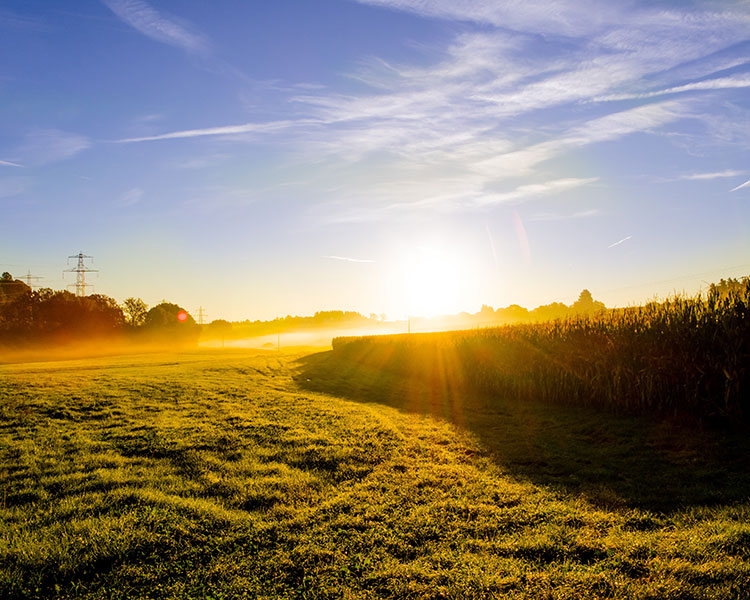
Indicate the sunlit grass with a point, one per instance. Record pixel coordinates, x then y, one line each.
214 475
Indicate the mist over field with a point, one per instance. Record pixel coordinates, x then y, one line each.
315 339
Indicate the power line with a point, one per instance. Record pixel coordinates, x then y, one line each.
80 270
201 315
28 277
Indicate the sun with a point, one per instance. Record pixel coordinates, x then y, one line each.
433 280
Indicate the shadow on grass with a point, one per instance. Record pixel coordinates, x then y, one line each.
614 461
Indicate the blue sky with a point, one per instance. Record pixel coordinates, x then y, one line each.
387 156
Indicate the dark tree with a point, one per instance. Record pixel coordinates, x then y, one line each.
136 310
29 316
729 286
586 304
11 288
550 312
166 314
168 320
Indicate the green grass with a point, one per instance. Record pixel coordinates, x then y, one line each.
233 474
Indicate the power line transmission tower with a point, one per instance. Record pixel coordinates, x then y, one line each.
28 277
201 315
80 271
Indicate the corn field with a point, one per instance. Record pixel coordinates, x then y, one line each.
683 357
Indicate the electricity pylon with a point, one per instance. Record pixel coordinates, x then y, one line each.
28 278
80 271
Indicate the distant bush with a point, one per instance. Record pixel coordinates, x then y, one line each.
686 356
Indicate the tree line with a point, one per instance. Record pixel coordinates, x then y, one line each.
29 316
46 315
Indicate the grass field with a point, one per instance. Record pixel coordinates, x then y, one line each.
230 474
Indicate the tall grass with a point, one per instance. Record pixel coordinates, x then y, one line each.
683 356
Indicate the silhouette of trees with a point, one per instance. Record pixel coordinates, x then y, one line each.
11 288
136 310
220 327
47 315
165 315
169 320
550 312
512 314
586 304
725 287
16 310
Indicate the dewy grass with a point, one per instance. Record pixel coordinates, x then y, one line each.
215 475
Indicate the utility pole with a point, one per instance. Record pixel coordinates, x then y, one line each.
80 270
28 277
201 315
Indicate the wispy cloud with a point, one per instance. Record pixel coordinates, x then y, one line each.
51 145
447 154
721 83
212 131
535 190
443 195
715 175
495 74
571 17
200 162
131 197
7 163
211 198
602 129
347 259
549 216
742 185
14 20
156 25
622 241
13 186
462 111
502 102
148 118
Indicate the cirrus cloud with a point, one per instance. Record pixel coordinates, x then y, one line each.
159 27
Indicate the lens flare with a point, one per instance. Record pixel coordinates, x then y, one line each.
182 316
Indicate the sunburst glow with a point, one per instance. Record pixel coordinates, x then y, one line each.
433 280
